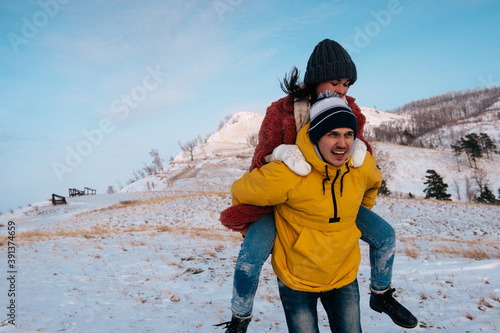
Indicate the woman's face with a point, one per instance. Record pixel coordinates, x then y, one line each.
338 86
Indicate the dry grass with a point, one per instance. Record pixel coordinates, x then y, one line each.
469 316
126 203
103 228
412 250
478 249
153 201
472 249
105 231
483 303
423 296
93 232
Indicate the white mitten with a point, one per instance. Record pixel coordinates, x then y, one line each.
358 157
292 157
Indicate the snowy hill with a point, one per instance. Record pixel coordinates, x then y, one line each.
439 121
237 129
487 122
375 118
154 258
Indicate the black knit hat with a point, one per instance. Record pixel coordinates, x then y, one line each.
329 61
328 113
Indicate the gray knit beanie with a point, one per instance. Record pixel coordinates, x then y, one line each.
328 113
329 61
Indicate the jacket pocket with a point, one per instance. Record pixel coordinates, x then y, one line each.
313 258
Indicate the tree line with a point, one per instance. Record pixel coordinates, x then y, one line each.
431 114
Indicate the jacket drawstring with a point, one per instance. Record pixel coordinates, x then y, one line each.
335 217
342 179
325 179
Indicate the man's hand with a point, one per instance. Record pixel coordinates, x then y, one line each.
292 157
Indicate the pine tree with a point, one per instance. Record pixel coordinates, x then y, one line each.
487 197
436 188
383 190
409 137
470 145
486 143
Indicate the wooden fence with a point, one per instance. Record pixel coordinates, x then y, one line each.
73 192
58 199
89 191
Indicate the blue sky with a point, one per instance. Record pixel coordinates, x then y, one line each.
88 88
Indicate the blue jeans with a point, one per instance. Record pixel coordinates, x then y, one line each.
381 238
259 241
341 306
255 249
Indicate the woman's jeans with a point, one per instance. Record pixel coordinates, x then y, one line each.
341 306
259 241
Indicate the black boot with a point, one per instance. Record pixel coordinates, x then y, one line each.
237 324
382 301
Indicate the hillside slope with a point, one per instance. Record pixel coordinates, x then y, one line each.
160 261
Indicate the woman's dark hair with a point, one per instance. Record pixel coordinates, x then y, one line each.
291 86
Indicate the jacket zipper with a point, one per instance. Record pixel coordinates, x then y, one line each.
335 217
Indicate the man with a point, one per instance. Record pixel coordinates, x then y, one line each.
316 254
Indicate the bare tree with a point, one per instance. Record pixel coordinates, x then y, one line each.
253 140
470 191
385 162
433 113
148 170
188 147
481 178
457 150
151 186
224 122
157 161
457 187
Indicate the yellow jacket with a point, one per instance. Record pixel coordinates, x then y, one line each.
317 243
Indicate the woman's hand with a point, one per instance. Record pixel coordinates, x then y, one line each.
292 157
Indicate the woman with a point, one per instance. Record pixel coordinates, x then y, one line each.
329 68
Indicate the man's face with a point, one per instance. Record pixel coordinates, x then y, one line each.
336 145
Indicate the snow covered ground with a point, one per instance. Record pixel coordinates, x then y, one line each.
161 262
